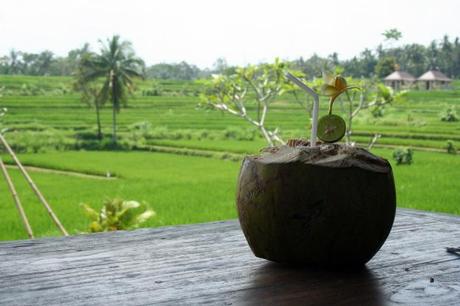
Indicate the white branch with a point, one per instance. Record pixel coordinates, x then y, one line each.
373 141
264 114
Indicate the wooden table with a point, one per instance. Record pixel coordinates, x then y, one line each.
211 263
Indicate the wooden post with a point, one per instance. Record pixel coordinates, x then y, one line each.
34 187
24 219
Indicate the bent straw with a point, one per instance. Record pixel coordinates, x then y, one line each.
311 92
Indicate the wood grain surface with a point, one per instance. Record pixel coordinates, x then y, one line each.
212 264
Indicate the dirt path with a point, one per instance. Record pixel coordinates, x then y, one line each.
64 172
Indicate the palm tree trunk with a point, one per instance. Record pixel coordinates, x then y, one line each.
98 121
114 107
114 124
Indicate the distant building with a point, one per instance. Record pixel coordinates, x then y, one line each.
399 79
433 79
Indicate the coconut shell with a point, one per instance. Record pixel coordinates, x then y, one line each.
328 205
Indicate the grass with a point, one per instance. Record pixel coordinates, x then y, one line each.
180 189
430 183
184 189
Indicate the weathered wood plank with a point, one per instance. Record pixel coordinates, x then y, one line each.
211 263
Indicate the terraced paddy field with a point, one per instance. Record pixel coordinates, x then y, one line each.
413 122
189 189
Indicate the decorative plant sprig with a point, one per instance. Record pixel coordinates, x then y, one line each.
333 87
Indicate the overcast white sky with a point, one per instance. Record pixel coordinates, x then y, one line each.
242 31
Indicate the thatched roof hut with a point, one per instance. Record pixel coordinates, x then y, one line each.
399 79
434 79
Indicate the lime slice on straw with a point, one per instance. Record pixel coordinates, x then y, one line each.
331 128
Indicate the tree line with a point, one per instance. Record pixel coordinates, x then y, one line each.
46 63
443 54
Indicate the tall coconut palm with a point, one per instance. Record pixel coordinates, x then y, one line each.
117 64
14 62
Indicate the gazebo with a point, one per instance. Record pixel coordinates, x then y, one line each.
399 79
433 79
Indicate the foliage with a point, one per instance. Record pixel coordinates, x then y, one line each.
385 66
39 141
393 33
237 133
232 94
44 63
450 147
155 91
378 111
315 66
373 95
117 64
2 113
116 215
89 92
403 156
449 114
179 71
443 53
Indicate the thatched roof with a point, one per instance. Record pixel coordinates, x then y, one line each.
434 75
400 76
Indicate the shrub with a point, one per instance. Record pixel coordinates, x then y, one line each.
403 156
116 215
38 142
155 91
237 133
142 128
159 132
449 115
378 112
450 147
2 113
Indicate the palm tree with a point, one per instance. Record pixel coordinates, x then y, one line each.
118 65
15 63
89 91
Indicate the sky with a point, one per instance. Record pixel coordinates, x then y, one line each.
241 31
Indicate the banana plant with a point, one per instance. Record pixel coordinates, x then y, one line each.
117 214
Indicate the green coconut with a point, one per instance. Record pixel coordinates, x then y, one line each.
327 205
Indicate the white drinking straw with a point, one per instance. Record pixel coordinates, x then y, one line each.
311 92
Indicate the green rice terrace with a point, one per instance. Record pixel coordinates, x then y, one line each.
183 159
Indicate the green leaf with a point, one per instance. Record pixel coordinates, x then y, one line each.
89 212
130 204
149 213
329 90
95 227
328 79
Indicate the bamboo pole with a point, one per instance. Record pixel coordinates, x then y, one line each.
34 187
13 192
